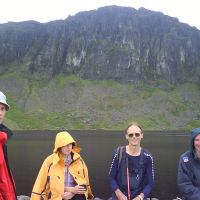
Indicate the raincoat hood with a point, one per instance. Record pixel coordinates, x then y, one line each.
63 139
194 133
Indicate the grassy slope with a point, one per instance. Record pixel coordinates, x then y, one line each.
81 104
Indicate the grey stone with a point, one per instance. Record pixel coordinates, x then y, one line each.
109 47
22 197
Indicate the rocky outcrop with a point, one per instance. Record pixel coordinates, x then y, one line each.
117 43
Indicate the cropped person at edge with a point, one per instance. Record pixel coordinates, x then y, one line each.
7 185
131 177
189 169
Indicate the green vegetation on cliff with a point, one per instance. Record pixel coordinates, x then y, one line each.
75 103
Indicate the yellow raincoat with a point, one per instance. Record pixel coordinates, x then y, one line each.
50 180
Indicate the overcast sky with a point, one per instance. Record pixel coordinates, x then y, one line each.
186 11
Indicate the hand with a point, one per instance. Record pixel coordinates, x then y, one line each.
120 195
79 189
138 198
67 195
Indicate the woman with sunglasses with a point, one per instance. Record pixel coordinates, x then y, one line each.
131 175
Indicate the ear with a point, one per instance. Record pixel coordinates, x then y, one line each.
126 136
142 135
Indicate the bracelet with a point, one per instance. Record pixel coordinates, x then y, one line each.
140 197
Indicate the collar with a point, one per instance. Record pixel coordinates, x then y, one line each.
58 158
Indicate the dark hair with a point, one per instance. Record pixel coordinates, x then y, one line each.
6 107
73 144
133 124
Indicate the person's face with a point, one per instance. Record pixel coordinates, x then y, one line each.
2 112
134 135
66 150
197 143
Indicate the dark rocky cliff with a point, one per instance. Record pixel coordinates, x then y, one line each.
113 42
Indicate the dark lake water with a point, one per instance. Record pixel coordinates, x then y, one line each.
27 150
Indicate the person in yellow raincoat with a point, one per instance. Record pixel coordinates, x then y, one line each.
63 174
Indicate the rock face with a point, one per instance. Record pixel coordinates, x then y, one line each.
112 42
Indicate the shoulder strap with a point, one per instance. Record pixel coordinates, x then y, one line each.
120 151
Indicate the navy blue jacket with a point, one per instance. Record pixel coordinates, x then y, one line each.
141 174
189 171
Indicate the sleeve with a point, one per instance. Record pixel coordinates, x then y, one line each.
39 188
112 178
149 176
90 194
184 181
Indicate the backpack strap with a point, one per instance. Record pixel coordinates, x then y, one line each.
120 151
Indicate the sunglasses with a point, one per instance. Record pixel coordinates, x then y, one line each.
134 134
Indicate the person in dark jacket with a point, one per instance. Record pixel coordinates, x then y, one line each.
7 186
189 169
131 175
